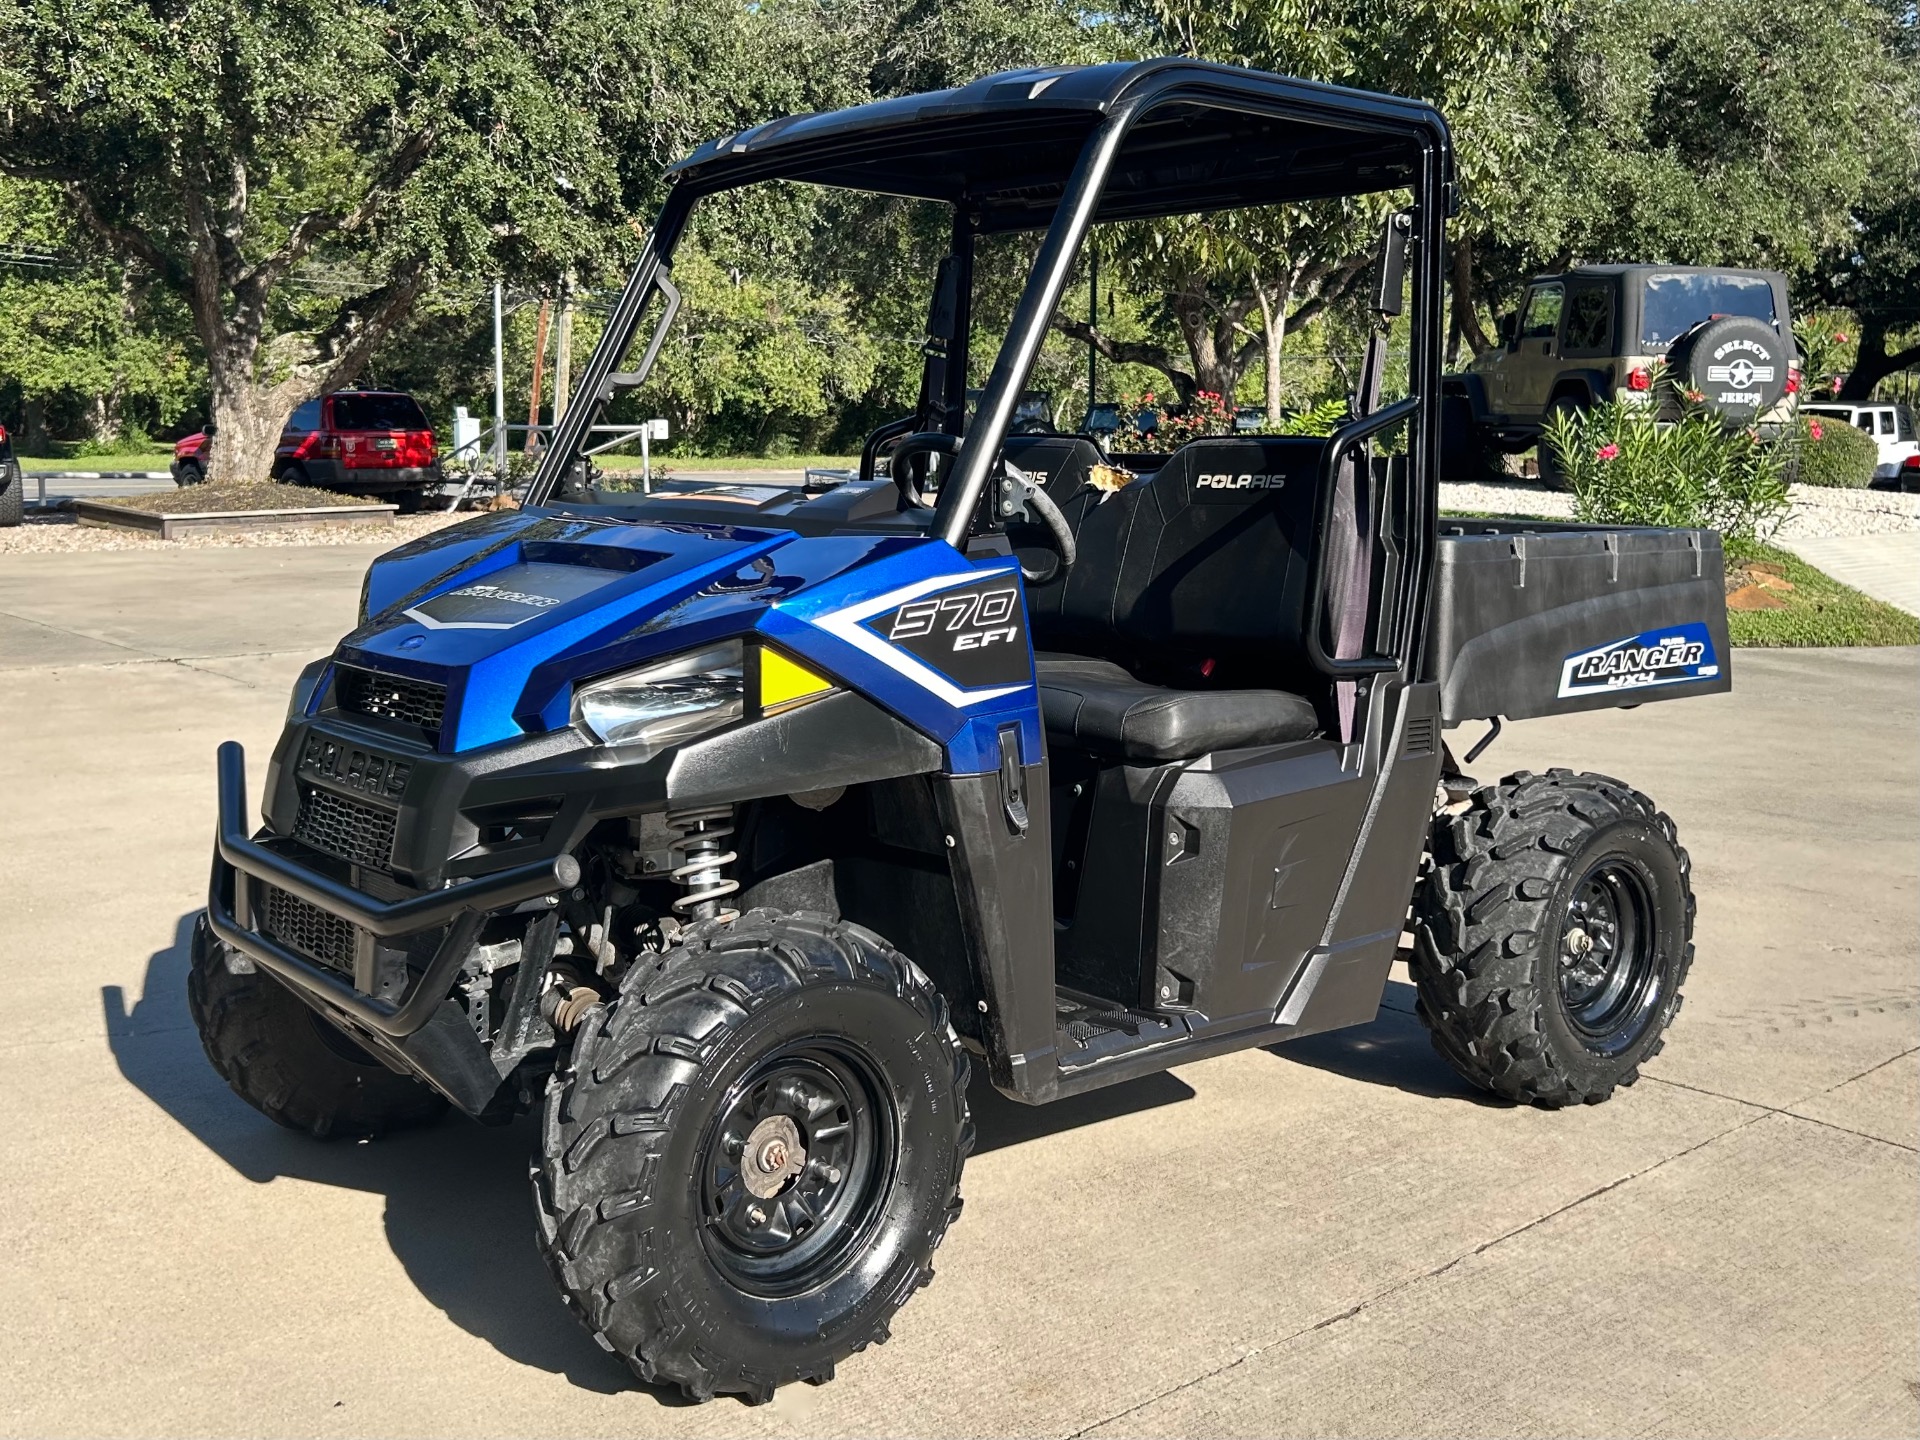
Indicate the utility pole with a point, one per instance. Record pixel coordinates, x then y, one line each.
1093 323
563 351
499 388
539 373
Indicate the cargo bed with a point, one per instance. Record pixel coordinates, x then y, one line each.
1542 618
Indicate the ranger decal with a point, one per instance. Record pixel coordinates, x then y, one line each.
1669 656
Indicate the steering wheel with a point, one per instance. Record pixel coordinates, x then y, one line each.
923 442
1052 519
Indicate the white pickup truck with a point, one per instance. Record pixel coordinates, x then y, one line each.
1890 425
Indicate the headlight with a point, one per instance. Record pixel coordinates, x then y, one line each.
646 711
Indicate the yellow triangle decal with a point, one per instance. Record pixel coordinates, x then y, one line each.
784 681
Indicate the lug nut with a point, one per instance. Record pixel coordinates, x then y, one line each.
756 1216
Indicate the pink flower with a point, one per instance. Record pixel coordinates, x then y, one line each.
1696 396
1813 429
1607 452
1839 337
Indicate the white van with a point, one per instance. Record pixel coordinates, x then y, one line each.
1890 425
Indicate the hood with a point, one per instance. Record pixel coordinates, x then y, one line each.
510 611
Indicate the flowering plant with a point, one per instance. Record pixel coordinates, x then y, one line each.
1628 466
1154 428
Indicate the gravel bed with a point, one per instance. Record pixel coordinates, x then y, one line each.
1820 512
61 534
1816 512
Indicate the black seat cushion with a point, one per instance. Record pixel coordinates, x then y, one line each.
1099 707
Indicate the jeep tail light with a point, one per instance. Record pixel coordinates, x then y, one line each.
1639 379
1793 381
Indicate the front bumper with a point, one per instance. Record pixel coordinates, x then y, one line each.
240 862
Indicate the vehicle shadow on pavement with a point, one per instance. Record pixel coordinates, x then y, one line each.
458 1214
1392 1050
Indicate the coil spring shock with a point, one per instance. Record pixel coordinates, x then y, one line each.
699 861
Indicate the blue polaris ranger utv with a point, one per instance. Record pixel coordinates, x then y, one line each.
732 827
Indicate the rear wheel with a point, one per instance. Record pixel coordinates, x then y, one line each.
1552 935
754 1153
286 1061
13 501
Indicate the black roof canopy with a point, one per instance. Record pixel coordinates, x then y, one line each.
1212 138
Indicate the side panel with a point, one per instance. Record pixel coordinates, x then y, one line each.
1004 885
1251 857
1553 619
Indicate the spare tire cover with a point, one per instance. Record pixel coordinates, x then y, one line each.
1737 364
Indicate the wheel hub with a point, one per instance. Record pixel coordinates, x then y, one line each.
1609 956
773 1155
795 1168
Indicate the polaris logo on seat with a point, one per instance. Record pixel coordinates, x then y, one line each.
1239 482
1654 657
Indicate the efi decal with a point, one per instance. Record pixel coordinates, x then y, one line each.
1670 656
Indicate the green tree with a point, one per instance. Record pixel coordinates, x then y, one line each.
299 174
81 332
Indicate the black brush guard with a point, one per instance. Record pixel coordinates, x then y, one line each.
239 859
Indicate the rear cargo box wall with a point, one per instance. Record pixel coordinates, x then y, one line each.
1510 608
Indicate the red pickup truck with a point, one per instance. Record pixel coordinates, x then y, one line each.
366 442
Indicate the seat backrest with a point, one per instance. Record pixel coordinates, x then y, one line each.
1205 560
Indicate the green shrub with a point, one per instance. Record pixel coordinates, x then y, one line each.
131 441
1835 454
1626 468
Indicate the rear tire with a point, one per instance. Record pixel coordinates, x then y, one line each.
287 1062
13 500
1552 934
787 1035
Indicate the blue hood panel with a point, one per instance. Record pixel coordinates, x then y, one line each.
511 611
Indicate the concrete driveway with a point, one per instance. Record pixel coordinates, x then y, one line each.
1336 1238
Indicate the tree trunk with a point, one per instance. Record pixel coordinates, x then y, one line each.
33 435
1464 317
1273 321
1874 363
245 418
1218 363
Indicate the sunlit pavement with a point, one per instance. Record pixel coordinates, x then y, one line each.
1333 1238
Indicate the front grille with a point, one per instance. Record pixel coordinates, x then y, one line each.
306 928
345 828
419 703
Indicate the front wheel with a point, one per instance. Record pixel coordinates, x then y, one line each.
756 1149
1552 934
288 1063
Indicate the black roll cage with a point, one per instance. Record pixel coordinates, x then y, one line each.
1114 100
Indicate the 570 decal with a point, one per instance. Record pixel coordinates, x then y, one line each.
974 633
975 620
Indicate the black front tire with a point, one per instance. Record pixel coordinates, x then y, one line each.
781 1027
1552 933
287 1062
13 499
